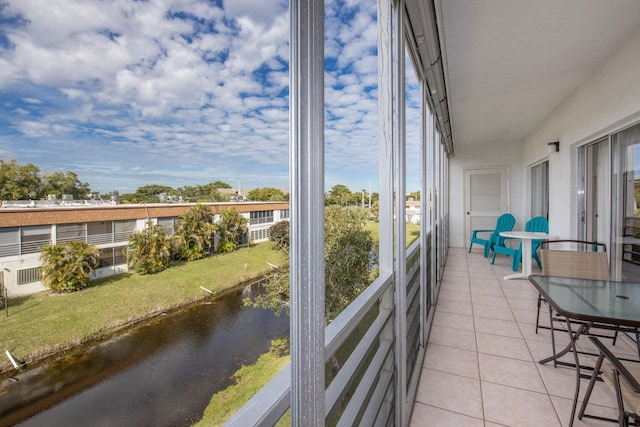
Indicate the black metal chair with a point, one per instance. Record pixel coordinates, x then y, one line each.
622 378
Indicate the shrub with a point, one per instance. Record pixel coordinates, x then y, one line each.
279 235
149 250
67 266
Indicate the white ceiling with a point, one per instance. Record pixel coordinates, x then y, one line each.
510 63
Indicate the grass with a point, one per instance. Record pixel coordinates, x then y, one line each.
45 324
249 380
412 232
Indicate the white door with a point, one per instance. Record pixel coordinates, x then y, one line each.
486 195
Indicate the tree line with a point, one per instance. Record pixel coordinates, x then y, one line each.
27 182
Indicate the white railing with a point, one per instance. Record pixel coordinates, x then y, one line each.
359 351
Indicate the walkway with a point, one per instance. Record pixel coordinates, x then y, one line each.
481 364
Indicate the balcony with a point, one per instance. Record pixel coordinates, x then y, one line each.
498 81
481 361
480 367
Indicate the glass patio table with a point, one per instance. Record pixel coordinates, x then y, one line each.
601 302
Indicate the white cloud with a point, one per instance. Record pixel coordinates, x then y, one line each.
261 12
170 88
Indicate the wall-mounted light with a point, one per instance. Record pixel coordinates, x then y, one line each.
553 147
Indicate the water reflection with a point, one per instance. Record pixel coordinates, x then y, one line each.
162 373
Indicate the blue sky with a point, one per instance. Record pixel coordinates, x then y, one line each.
180 92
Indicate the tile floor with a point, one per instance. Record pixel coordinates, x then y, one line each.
481 364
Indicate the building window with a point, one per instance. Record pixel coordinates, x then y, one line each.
68 232
28 275
261 217
259 234
112 256
9 241
123 229
284 213
167 223
99 233
34 238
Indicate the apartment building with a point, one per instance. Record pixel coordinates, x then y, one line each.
26 227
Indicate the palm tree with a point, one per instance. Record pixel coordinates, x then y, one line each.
67 266
149 250
231 227
195 233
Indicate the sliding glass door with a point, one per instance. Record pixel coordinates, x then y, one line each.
540 190
596 192
625 247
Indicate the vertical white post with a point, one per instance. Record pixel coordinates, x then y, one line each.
385 164
424 222
399 175
307 212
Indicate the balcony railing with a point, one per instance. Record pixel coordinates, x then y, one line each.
360 357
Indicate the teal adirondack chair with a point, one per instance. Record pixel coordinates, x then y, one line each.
505 222
538 224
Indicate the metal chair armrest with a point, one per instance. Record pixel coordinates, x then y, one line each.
631 380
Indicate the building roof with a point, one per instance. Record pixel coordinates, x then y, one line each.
13 217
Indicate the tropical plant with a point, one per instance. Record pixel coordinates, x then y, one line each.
149 250
231 227
194 233
67 266
279 235
349 258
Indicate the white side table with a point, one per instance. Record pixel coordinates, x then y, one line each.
526 237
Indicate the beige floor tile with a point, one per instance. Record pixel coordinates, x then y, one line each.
454 320
543 335
515 407
563 408
430 416
453 286
452 360
456 273
527 316
492 312
524 304
493 300
522 293
542 350
504 328
450 337
561 382
503 346
450 392
510 372
454 307
486 289
454 296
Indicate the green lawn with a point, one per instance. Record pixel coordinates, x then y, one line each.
45 323
413 231
249 380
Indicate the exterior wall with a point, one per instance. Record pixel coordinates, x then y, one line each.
608 102
480 157
10 265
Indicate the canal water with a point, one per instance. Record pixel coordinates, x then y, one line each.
160 373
